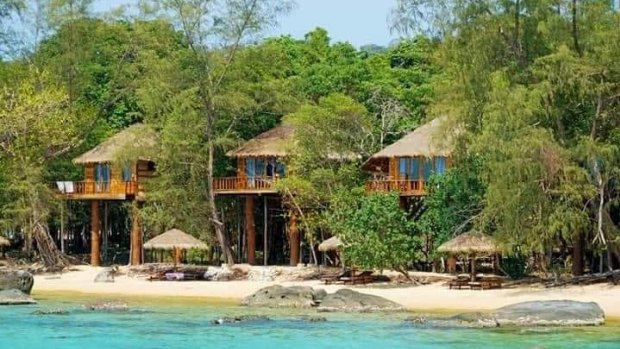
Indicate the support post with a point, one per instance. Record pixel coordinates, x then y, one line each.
265 232
104 232
250 229
95 247
294 239
62 227
136 236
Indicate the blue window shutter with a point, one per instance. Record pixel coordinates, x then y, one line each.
415 168
250 167
440 165
402 167
428 168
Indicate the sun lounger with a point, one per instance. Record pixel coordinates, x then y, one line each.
486 282
364 277
336 278
460 282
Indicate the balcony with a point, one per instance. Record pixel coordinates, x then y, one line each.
91 190
406 187
245 185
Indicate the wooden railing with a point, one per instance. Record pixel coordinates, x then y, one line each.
113 187
240 184
405 187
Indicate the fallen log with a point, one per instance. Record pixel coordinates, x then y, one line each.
612 277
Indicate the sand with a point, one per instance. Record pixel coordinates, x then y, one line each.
428 298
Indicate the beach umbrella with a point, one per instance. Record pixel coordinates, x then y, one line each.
470 244
331 244
175 240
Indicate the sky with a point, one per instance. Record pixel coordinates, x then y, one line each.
359 22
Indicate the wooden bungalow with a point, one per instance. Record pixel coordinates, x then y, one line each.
113 171
407 165
260 163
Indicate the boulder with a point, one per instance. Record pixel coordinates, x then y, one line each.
351 301
466 320
106 275
284 297
51 312
108 306
550 313
310 318
16 280
240 318
15 297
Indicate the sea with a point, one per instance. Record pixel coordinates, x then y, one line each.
171 323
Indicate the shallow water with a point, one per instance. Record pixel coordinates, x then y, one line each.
188 325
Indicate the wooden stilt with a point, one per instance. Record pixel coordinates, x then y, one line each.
62 227
136 236
104 232
95 245
294 239
265 242
250 229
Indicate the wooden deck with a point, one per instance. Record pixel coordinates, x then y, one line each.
405 187
245 185
91 190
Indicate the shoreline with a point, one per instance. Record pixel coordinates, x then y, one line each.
433 298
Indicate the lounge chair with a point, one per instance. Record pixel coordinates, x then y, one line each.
460 281
336 278
364 277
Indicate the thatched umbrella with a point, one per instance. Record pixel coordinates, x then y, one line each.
470 244
331 244
175 240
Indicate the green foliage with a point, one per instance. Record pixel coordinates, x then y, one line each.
452 201
515 266
375 232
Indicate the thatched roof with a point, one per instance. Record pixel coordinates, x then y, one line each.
276 143
471 243
424 141
331 244
272 143
4 241
174 238
130 140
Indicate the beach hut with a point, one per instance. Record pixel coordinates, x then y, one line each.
470 244
406 165
176 241
114 171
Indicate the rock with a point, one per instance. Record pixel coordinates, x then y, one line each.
16 280
349 300
313 318
51 312
551 313
284 297
466 320
106 275
241 318
109 306
15 297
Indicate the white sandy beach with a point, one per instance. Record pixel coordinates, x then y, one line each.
434 297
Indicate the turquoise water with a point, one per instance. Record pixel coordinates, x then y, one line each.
189 326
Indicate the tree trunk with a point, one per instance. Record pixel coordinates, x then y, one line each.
575 32
578 256
218 225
